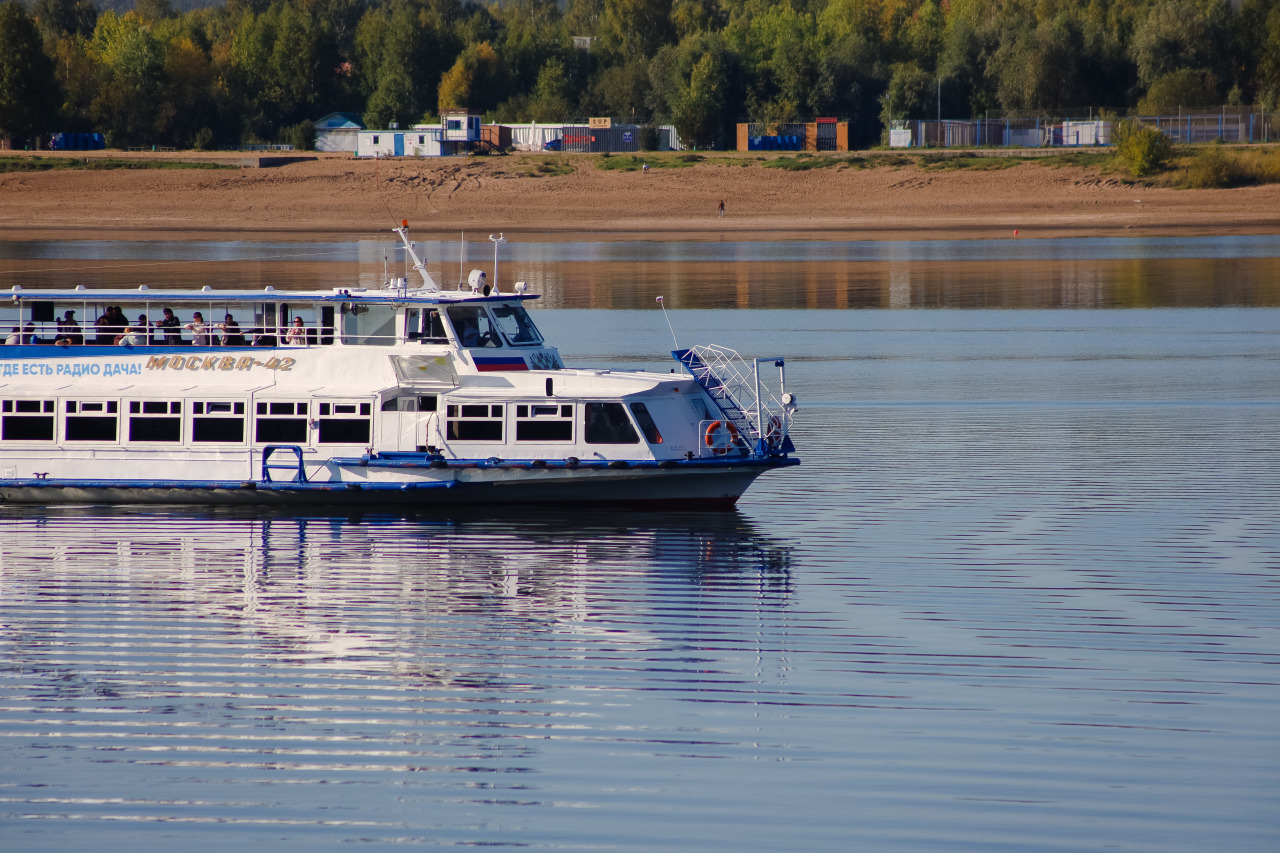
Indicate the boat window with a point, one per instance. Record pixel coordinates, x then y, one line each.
155 420
368 325
26 420
472 326
647 426
87 420
550 422
517 325
700 408
607 423
217 422
473 422
426 326
280 423
345 423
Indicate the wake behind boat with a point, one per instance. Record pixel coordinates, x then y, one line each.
413 396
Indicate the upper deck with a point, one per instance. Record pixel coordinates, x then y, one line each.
88 320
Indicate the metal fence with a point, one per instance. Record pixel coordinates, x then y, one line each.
1042 132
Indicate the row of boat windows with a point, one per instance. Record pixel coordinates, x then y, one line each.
224 422
602 423
161 421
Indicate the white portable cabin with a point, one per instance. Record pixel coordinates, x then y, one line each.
416 142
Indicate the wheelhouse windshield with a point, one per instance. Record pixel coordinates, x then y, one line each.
516 325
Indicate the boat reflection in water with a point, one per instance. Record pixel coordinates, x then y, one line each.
379 590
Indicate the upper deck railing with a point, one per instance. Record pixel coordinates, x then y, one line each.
281 320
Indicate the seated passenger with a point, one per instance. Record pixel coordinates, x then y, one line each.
264 336
14 338
128 338
69 333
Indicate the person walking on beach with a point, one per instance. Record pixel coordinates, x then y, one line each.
722 208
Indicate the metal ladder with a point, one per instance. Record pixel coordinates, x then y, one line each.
736 386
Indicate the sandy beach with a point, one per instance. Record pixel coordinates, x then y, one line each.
341 195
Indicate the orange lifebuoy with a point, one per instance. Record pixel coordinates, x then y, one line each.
712 438
774 435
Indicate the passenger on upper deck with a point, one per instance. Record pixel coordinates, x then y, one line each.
100 327
231 335
14 338
169 325
297 334
69 333
199 331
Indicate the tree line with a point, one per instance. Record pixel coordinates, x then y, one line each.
261 70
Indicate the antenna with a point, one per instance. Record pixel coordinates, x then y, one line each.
501 238
668 319
462 261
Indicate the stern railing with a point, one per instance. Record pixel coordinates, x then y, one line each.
759 409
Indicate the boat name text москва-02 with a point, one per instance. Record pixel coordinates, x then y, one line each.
398 396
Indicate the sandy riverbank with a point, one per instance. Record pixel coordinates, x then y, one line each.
339 195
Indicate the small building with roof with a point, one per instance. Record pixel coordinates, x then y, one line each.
338 132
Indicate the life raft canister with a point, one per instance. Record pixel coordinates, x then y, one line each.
720 436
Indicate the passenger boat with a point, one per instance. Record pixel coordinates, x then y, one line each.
395 395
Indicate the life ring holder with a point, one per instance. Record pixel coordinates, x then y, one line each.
712 439
774 433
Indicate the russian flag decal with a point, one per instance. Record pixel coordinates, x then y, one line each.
488 364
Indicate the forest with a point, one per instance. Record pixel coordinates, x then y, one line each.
253 71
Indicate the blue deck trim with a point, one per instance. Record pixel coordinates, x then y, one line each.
226 485
405 460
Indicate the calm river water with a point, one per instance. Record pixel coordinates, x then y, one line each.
1023 594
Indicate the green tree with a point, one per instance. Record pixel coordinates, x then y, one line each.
1143 149
27 93
696 112
128 98
912 93
62 17
1186 87
1256 37
401 52
473 81
619 90
1178 34
691 85
638 28
550 97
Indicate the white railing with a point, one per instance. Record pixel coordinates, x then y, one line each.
750 399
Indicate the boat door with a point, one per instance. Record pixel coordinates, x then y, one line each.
406 423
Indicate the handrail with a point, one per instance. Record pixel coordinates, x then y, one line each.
745 397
